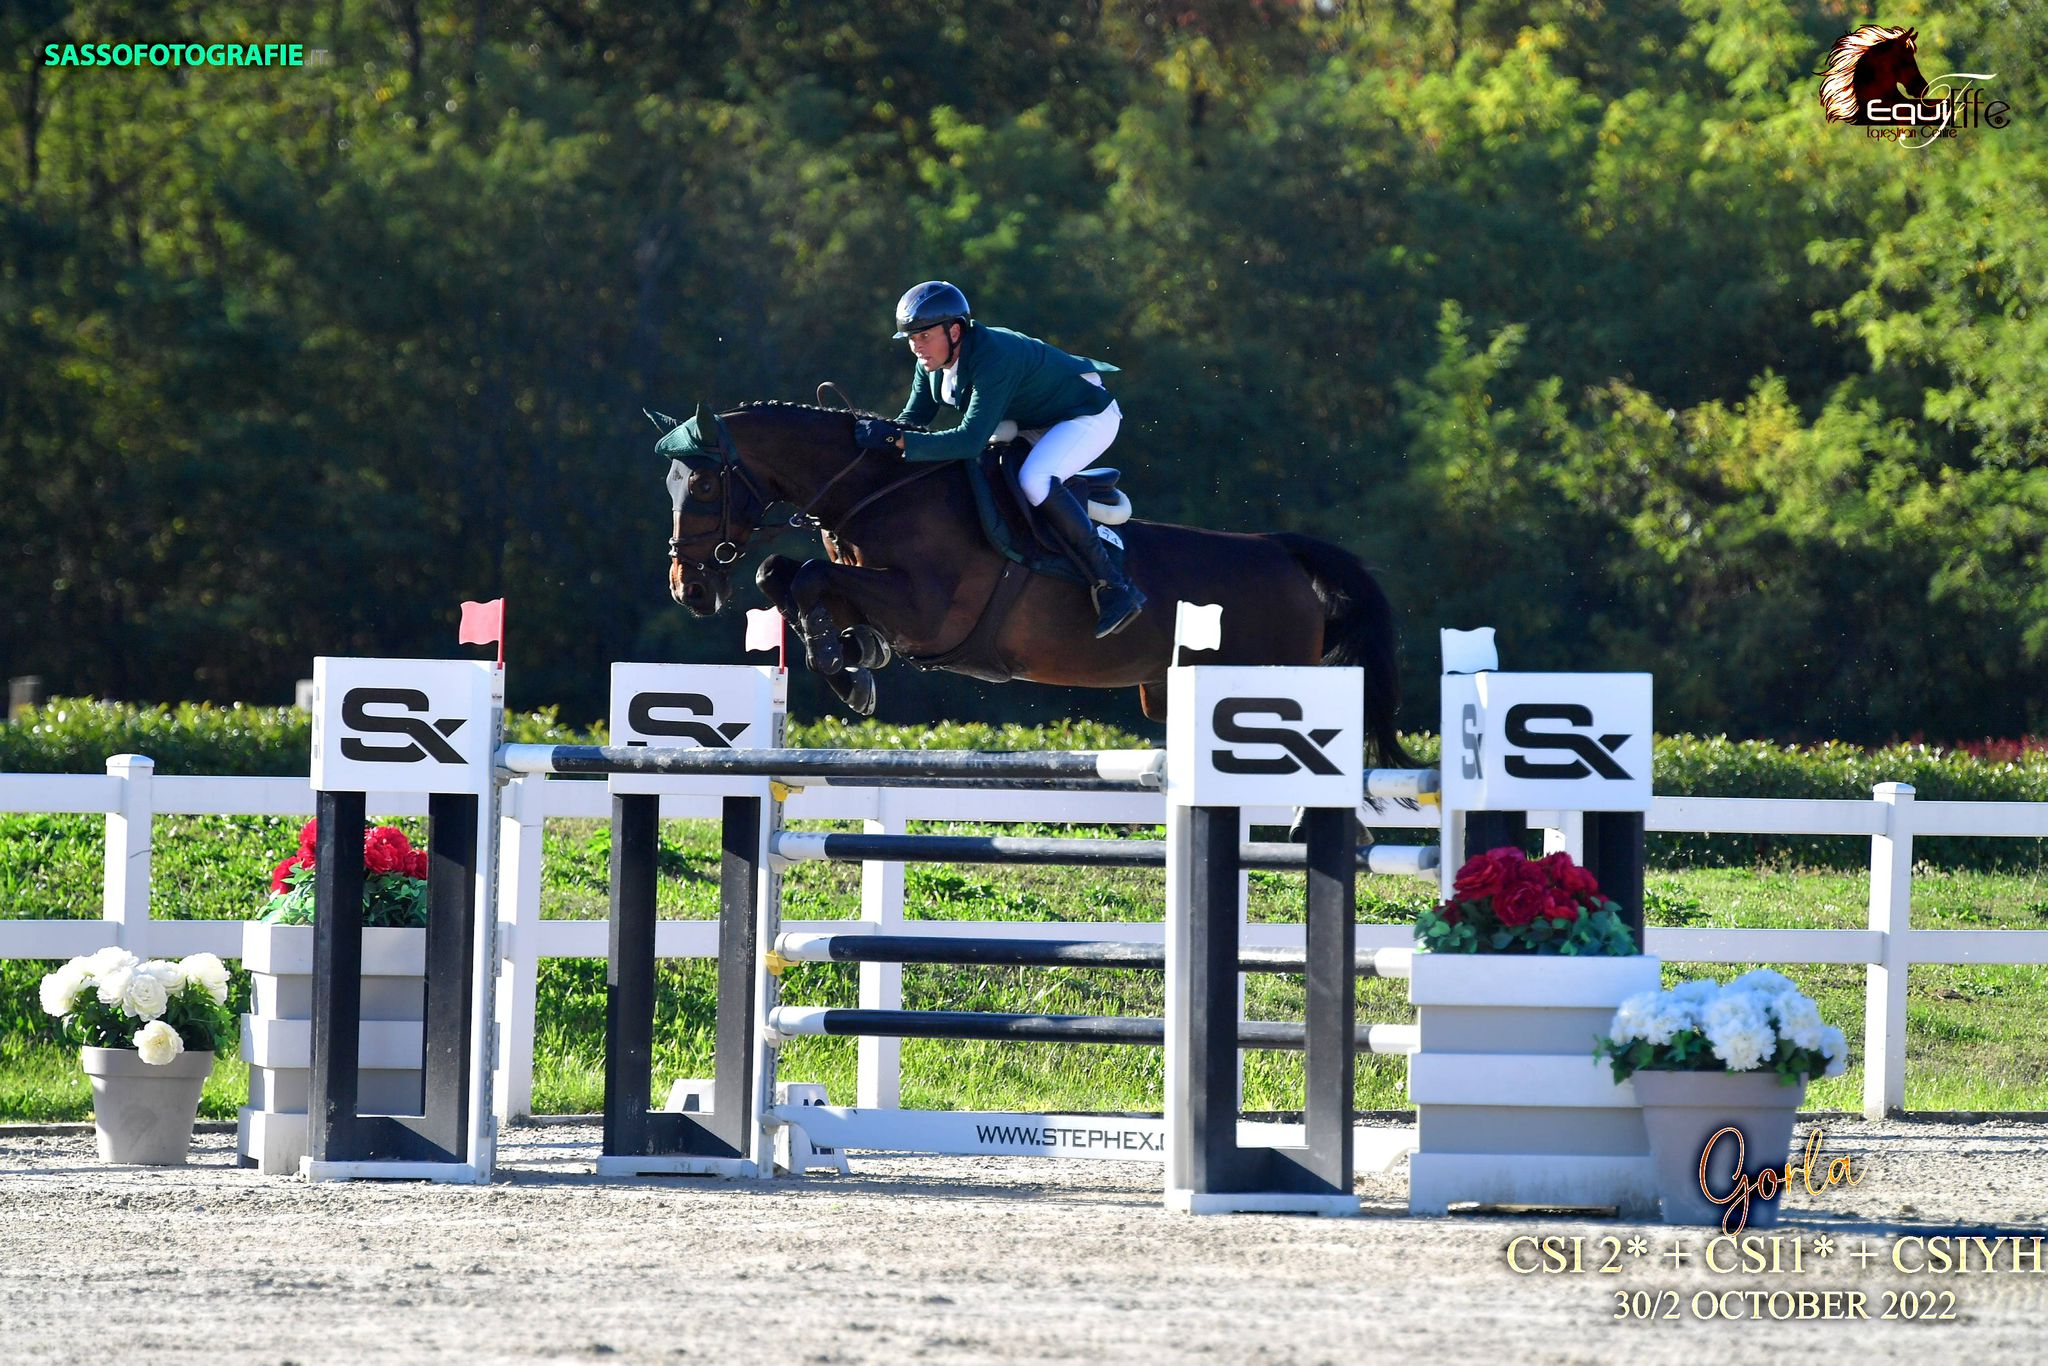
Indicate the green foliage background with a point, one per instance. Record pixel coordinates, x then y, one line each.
1574 318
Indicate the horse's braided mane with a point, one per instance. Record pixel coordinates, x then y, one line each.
1838 86
810 408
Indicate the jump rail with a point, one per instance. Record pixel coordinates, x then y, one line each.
1395 860
798 947
985 768
1275 1035
1082 769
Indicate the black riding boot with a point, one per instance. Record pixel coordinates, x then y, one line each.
1117 599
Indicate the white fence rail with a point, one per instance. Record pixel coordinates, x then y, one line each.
131 796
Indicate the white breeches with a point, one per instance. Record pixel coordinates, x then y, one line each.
1067 448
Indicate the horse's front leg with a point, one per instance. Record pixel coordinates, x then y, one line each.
844 609
833 635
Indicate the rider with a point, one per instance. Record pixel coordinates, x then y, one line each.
992 373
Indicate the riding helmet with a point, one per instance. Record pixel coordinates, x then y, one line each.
932 302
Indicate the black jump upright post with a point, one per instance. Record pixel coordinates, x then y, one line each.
1221 1175
428 727
438 1133
638 1138
1485 830
683 731
1614 856
1259 738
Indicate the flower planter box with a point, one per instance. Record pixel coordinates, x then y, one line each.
277 1036
1511 1106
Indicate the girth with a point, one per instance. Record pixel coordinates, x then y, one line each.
976 654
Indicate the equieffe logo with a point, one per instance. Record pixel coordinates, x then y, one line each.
428 740
1304 752
1871 78
641 712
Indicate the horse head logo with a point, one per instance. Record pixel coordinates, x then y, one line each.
1874 62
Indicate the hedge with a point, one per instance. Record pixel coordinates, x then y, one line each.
70 735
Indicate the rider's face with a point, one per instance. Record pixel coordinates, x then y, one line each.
933 345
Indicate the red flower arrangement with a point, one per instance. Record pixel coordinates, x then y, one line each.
394 880
1503 901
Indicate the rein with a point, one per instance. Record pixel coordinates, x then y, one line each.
879 494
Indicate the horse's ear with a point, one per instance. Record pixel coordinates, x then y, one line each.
663 423
1912 35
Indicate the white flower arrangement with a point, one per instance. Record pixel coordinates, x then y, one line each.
112 999
1759 1021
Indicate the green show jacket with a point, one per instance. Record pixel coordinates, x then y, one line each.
1002 374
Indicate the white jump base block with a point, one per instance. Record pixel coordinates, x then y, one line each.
672 1164
1324 1206
277 1036
1512 1109
444 1173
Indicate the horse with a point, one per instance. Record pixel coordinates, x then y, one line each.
1872 63
909 572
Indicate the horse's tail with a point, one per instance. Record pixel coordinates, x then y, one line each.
1358 630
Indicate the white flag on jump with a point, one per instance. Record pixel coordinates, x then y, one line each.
1197 626
1469 652
764 628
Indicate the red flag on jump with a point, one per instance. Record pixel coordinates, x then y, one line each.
482 624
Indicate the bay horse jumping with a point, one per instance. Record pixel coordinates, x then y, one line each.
908 571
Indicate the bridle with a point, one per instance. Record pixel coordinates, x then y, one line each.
724 456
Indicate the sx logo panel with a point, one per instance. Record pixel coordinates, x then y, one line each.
640 714
1594 758
1303 751
427 739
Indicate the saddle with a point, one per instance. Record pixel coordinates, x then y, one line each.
1012 525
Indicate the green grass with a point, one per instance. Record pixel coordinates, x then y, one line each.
1978 1036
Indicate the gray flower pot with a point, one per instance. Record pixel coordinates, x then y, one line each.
142 1114
1682 1110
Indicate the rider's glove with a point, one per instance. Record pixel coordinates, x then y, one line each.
873 434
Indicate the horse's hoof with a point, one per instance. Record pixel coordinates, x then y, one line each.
856 688
865 647
824 656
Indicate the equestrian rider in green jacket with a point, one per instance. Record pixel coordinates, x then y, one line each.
991 373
